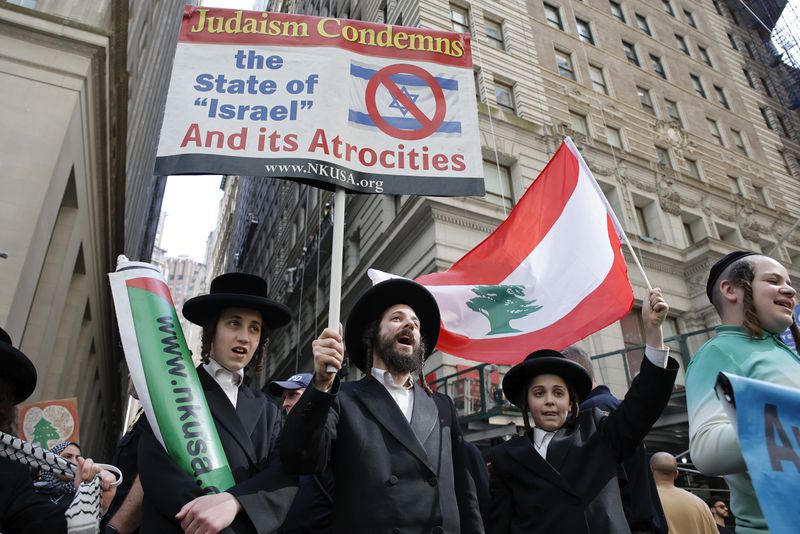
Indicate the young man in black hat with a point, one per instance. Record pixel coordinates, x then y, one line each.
394 446
755 301
22 510
236 318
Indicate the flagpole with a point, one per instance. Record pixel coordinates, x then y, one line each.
617 225
337 246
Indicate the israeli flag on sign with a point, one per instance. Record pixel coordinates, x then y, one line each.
403 100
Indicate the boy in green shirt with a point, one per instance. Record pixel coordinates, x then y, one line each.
755 301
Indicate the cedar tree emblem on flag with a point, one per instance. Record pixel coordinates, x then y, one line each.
501 305
550 275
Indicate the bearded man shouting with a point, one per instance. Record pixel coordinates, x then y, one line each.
394 446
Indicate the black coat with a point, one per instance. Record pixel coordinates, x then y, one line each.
22 510
312 509
576 490
390 476
249 435
637 488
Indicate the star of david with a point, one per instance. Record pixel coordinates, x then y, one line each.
397 105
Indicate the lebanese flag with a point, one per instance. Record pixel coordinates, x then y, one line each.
550 275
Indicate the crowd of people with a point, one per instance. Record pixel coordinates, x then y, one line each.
386 454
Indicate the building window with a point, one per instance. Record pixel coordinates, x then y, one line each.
761 194
749 78
672 111
662 156
749 50
782 125
668 7
578 123
765 116
688 234
682 45
476 74
767 87
693 169
704 56
713 129
641 21
614 136
697 83
616 11
738 141
732 40
723 100
598 79
553 16
498 184
504 95
641 220
630 53
564 64
459 19
736 186
658 66
584 31
645 100
690 18
494 34
717 8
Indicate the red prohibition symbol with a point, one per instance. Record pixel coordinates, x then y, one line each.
383 78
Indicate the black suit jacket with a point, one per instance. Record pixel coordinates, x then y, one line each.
636 485
249 435
390 476
576 489
22 510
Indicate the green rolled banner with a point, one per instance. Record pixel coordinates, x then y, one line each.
164 375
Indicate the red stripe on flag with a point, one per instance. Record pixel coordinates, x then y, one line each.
152 285
612 299
531 219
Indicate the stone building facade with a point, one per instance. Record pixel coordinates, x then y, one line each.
682 111
82 86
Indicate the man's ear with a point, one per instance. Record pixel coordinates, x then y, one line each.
728 292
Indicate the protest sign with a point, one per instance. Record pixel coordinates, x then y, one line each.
49 422
368 107
164 375
767 420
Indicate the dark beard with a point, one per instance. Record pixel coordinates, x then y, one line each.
396 361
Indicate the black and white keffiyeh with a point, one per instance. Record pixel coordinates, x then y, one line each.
83 515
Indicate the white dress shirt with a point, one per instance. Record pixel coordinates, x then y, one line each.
541 439
403 394
228 380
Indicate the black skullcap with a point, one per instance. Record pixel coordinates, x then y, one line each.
723 263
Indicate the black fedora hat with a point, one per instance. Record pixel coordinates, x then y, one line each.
237 290
378 299
543 362
16 368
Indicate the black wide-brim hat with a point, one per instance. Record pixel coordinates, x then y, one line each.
237 290
16 368
382 296
545 362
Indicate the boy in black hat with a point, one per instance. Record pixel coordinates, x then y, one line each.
755 301
561 476
22 510
236 318
394 446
